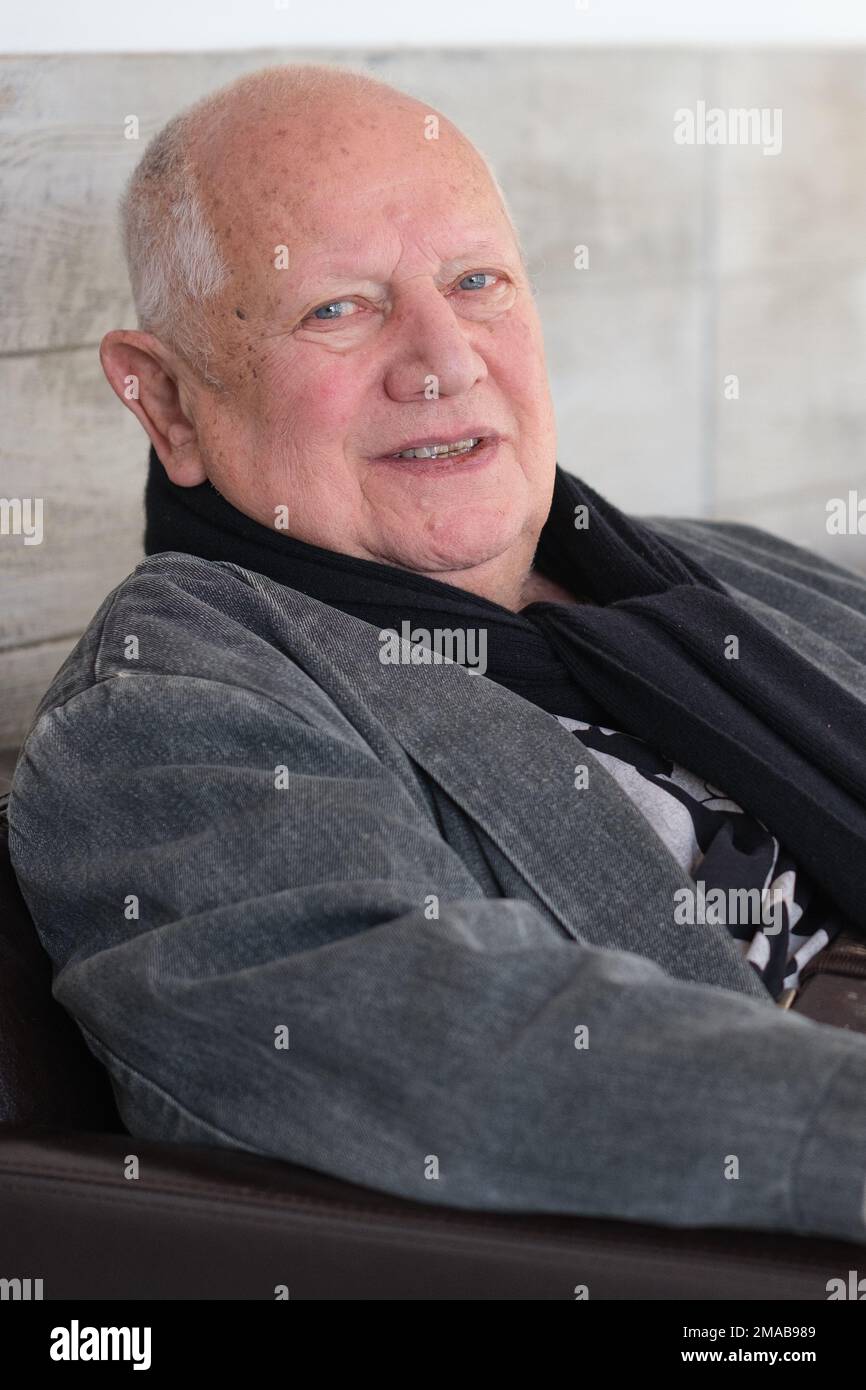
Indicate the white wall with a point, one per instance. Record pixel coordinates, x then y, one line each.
113 26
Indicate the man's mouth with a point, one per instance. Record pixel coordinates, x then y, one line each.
436 451
431 448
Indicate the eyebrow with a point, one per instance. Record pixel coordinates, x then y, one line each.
315 284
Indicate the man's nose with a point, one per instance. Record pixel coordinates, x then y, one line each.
430 352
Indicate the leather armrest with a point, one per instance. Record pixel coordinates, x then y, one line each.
210 1223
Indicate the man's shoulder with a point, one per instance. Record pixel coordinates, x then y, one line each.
179 617
168 585
763 564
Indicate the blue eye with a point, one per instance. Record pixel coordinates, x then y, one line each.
476 275
322 312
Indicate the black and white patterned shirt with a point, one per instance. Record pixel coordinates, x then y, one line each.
723 847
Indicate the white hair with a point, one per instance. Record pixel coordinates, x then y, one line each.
173 254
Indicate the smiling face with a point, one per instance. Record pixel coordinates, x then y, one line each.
399 316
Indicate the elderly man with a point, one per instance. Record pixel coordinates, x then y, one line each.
504 933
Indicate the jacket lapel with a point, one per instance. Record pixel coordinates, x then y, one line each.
588 854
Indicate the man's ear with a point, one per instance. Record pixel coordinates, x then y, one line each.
140 374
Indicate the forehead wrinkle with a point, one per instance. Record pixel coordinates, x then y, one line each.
341 274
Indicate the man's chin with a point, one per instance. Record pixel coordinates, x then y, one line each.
470 566
479 546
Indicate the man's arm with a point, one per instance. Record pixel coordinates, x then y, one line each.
242 905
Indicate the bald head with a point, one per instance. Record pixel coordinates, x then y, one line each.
228 180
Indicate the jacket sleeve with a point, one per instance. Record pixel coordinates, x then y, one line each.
264 937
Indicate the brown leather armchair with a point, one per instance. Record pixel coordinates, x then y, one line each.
204 1222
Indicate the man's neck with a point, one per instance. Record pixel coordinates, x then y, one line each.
537 588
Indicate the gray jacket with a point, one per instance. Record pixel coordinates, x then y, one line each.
358 916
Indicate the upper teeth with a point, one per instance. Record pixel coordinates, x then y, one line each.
436 450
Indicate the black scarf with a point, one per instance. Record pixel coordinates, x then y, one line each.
647 656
